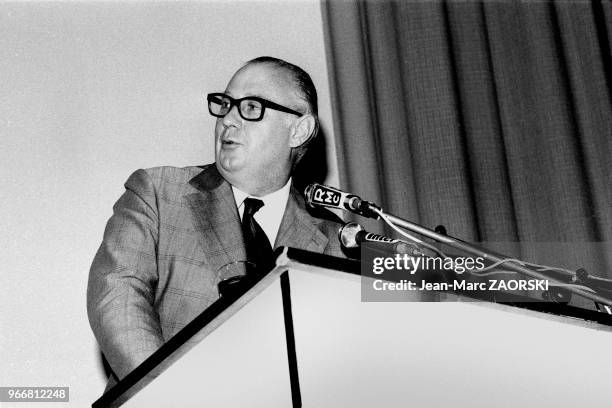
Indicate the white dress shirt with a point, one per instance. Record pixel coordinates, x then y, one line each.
269 216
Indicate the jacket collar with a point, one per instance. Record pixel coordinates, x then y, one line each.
215 210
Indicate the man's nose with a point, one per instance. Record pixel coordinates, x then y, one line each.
232 118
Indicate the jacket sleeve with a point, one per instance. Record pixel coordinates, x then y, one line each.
123 279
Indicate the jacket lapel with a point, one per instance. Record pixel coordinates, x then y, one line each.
299 229
215 209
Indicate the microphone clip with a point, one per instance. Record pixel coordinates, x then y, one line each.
368 209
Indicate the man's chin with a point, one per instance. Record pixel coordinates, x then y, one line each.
228 167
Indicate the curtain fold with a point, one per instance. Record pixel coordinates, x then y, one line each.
493 118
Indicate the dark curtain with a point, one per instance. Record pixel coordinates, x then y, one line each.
492 118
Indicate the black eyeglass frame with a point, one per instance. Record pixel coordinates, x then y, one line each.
236 102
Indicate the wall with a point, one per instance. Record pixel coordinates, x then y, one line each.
90 92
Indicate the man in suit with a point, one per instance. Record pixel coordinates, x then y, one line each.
176 232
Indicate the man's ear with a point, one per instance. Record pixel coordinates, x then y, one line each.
303 129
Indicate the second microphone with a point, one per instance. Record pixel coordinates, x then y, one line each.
352 235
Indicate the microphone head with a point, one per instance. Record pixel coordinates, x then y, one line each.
319 195
348 234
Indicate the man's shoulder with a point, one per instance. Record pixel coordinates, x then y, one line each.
329 223
171 174
326 221
166 181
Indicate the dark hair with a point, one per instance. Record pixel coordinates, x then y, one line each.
307 91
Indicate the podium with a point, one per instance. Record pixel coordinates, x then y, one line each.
301 336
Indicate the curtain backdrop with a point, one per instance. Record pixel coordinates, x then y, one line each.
492 118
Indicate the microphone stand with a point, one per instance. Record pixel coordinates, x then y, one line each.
325 196
489 255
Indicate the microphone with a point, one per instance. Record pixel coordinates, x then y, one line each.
319 195
353 235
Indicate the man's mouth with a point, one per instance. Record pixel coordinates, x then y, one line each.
228 143
229 140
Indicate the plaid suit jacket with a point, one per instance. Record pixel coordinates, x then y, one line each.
158 265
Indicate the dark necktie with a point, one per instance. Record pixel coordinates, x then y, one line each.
257 245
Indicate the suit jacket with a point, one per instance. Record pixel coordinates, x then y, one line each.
170 235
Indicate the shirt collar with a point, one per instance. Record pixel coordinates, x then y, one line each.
273 199
270 216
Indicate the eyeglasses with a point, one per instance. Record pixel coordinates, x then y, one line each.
250 107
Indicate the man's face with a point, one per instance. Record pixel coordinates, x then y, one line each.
256 155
